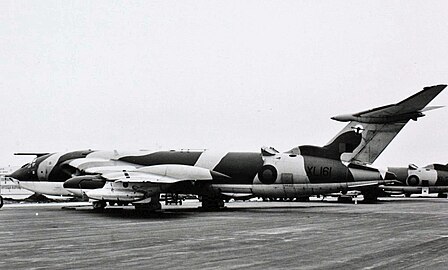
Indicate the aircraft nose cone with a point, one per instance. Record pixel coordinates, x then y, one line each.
16 174
23 174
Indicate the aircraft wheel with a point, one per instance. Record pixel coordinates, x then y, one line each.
99 205
407 195
212 204
345 199
153 206
1 201
303 199
370 197
442 195
148 207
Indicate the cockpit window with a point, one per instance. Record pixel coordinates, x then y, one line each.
30 165
33 163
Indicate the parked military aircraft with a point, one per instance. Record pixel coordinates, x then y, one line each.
140 177
424 180
3 172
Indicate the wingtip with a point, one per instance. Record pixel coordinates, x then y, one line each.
430 108
439 86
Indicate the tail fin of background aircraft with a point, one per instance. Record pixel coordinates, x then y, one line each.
379 126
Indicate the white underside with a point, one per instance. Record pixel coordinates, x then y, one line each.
285 190
274 190
46 188
416 189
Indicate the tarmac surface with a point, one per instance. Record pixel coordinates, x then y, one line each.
396 233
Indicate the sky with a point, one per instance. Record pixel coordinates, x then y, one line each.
226 75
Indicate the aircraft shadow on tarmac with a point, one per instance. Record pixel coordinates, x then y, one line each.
174 213
131 213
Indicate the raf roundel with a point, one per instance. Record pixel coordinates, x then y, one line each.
267 174
413 180
358 129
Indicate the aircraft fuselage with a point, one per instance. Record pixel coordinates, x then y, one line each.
280 175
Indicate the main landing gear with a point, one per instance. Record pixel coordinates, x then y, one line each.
1 201
212 203
345 199
370 197
151 204
303 199
99 205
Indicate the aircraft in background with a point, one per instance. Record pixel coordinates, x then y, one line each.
423 180
139 177
3 172
3 181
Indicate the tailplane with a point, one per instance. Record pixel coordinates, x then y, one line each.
379 126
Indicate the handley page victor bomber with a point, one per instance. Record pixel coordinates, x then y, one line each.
424 180
140 177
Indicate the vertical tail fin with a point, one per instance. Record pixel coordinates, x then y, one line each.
375 138
379 126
